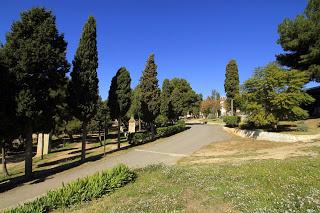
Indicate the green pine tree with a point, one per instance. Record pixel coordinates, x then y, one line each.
231 83
35 53
83 87
300 40
120 97
150 93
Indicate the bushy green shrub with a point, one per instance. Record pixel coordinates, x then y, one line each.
170 130
232 121
161 120
79 191
139 137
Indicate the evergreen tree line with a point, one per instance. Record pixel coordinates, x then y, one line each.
37 96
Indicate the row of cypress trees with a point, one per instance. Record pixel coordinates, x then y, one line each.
34 85
35 88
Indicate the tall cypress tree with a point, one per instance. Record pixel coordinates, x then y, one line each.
231 83
135 108
150 93
83 88
166 105
120 96
36 55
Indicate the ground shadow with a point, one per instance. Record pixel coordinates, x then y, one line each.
41 176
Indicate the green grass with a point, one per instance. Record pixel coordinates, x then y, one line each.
291 185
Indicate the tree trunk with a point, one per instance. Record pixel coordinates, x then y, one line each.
104 141
42 146
84 138
152 131
28 153
4 161
100 137
139 124
119 134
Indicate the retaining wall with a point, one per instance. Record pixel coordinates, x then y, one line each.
272 136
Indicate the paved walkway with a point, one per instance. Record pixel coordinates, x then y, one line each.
167 151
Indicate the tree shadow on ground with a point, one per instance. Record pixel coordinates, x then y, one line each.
40 176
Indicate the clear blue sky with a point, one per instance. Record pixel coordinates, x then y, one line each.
192 39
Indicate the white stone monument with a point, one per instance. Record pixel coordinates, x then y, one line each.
43 144
132 125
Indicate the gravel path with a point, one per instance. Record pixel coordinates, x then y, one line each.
168 151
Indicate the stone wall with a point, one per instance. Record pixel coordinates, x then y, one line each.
272 136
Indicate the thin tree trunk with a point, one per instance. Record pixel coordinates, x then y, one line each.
100 137
152 131
28 154
139 124
84 138
4 161
119 134
104 141
42 146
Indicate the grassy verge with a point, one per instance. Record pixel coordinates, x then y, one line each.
289 185
79 191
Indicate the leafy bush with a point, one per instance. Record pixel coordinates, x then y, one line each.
170 130
139 137
79 191
161 120
232 121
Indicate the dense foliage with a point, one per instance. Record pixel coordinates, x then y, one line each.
139 137
300 39
178 99
232 121
273 94
79 191
170 130
35 54
150 93
211 105
231 83
83 88
120 96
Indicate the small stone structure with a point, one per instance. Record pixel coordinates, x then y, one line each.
132 125
272 136
43 144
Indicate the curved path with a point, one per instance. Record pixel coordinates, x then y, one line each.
167 151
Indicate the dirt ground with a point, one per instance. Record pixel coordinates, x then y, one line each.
239 150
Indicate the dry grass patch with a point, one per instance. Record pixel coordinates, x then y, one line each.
240 150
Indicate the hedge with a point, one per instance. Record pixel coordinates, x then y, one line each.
81 190
232 121
170 130
139 137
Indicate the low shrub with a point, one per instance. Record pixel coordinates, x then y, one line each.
81 190
171 130
139 137
232 121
